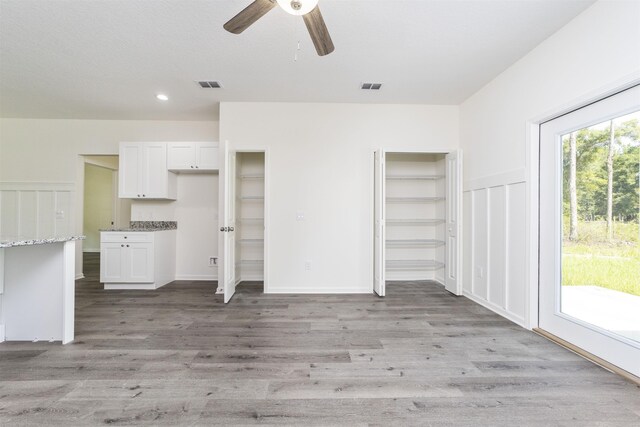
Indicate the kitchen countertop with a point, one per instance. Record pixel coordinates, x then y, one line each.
11 241
146 226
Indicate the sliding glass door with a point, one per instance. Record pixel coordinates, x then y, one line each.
589 228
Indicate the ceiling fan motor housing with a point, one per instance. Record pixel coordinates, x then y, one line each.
296 5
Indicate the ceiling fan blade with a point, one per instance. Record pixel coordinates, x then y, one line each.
249 15
318 32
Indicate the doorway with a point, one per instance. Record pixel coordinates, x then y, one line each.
416 209
589 199
101 206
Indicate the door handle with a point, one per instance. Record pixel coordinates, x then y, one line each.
223 229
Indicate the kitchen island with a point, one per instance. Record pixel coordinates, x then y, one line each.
37 288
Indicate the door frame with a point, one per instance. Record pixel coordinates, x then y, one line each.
532 171
265 150
372 189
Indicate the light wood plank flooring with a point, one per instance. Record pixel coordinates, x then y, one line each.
420 356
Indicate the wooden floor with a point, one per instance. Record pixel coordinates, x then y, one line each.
420 356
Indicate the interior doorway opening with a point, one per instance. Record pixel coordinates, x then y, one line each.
416 208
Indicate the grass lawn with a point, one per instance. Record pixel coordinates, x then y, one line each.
594 261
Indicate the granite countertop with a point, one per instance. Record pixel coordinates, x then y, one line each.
11 241
146 226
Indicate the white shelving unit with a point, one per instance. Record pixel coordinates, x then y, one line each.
415 216
250 169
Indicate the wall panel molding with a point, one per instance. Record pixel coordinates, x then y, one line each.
495 241
37 209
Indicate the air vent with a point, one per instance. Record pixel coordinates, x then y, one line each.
371 86
209 85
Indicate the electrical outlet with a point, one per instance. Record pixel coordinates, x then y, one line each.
299 216
307 265
59 214
213 261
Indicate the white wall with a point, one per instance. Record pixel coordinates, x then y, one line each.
42 156
196 212
320 162
598 48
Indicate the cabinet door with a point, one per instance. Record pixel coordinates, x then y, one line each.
154 170
129 174
181 156
111 263
139 259
207 155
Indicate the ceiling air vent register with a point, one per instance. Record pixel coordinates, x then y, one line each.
371 86
209 85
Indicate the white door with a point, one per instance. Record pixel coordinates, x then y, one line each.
154 171
130 171
379 224
139 257
111 262
588 266
181 155
206 155
227 201
453 253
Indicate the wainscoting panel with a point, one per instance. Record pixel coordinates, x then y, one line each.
36 209
495 243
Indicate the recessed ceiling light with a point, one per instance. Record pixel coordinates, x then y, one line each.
162 97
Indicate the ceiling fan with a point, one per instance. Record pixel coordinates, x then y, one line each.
308 9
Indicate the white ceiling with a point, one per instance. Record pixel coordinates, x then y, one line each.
107 59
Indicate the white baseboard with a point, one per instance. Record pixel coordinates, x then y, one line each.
498 310
79 276
2 335
91 250
207 277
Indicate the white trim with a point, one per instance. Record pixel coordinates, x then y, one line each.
79 276
197 277
505 178
532 176
2 333
130 286
91 250
502 312
37 186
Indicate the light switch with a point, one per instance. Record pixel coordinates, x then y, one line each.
59 214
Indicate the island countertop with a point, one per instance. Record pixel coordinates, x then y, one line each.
11 241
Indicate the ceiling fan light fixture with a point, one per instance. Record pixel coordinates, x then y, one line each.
298 7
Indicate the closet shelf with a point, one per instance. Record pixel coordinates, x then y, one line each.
251 219
250 262
421 243
416 221
252 176
414 177
414 199
414 265
251 241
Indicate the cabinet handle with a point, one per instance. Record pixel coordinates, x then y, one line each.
122 246
125 237
127 245
230 228
191 166
197 167
138 195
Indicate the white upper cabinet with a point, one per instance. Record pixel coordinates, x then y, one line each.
143 172
192 156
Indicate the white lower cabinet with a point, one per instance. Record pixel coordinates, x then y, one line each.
137 259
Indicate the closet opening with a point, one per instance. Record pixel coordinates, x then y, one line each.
249 219
417 203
